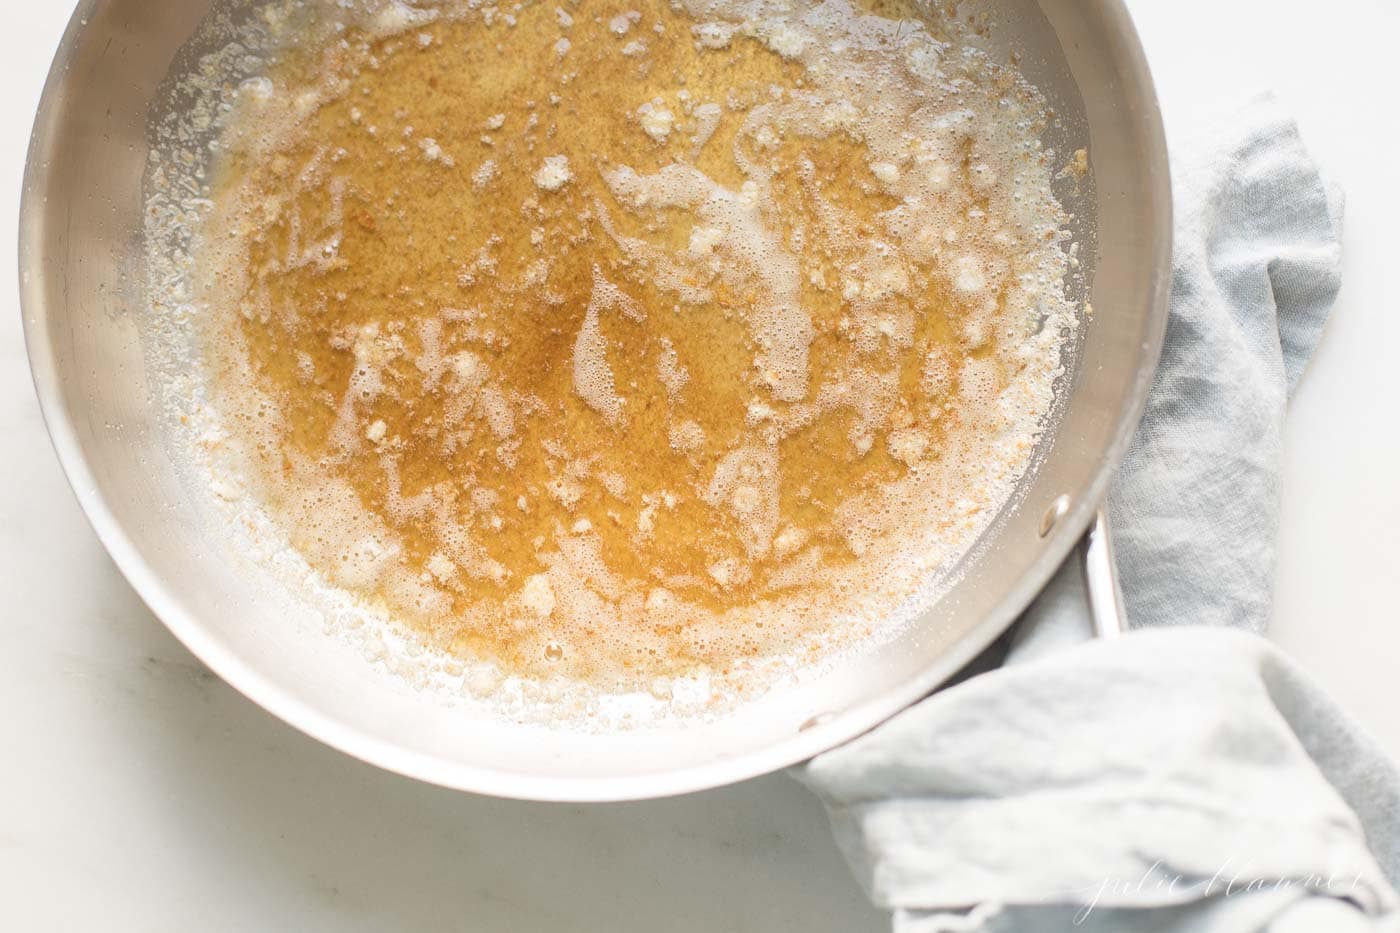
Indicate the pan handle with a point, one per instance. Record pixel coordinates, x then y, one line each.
1101 579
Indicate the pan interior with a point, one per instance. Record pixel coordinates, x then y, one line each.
80 246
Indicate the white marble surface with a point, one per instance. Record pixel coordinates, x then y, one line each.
138 793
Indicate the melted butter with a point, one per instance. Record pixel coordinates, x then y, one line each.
589 320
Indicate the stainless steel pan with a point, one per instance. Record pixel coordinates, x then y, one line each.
80 255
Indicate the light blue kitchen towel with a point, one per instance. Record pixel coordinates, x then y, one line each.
1188 776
